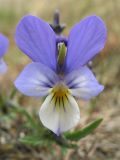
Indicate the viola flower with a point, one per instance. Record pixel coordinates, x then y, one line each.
3 48
59 112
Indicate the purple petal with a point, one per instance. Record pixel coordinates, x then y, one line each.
86 39
3 66
37 40
3 45
36 80
83 84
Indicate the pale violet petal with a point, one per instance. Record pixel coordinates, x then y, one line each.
3 66
83 84
59 116
36 80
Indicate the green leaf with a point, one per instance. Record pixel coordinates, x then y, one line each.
75 136
60 140
32 140
37 140
13 93
21 110
63 142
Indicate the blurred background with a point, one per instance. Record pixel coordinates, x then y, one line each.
104 143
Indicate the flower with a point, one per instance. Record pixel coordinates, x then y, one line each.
59 112
3 48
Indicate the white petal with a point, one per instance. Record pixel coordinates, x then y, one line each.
3 66
83 84
59 116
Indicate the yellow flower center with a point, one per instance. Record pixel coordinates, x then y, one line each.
60 90
60 95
